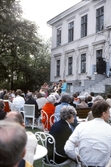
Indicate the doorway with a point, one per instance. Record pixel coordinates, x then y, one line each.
100 63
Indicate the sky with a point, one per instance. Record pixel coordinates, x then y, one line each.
41 11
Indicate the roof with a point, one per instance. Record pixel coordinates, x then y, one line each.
67 12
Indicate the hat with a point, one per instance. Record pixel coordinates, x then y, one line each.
86 94
82 97
56 95
51 99
98 97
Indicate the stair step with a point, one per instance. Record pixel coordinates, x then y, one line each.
98 87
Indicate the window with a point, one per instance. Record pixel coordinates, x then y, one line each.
98 60
70 31
84 26
83 63
99 19
58 68
69 65
99 53
59 37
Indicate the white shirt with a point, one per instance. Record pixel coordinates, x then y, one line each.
19 100
41 102
30 147
85 135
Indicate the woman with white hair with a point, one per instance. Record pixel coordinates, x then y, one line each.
49 108
61 131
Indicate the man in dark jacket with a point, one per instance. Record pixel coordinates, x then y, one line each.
31 100
2 112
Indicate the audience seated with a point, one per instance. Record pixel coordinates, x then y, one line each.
3 93
65 100
41 101
71 102
90 116
14 116
57 97
76 99
13 140
89 101
108 99
61 131
89 133
19 100
82 103
92 95
6 106
6 99
2 112
49 108
31 100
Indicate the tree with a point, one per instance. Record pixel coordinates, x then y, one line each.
22 51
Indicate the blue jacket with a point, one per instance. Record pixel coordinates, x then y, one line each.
64 87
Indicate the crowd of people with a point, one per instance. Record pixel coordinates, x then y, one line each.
68 133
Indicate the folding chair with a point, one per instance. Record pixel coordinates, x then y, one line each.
29 110
46 140
16 107
54 118
44 117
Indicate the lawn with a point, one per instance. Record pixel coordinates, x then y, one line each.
38 163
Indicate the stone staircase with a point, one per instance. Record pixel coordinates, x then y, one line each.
98 88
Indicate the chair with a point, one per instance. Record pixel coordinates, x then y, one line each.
100 153
29 110
44 116
83 112
54 118
6 107
16 107
47 140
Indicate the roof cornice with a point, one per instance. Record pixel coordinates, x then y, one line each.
67 12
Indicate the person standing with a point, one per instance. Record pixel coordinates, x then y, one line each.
64 86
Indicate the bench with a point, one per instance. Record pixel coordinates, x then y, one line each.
83 112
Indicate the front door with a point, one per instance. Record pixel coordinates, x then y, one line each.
100 63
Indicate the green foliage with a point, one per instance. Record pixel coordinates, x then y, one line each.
25 57
107 91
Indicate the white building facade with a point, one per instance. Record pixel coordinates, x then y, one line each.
81 43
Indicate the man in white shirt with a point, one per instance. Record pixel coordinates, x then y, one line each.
19 100
96 132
